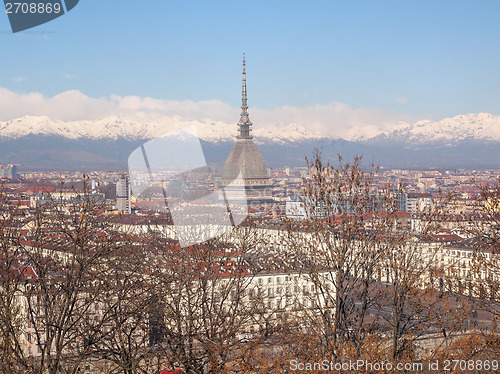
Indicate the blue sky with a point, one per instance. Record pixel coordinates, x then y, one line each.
420 58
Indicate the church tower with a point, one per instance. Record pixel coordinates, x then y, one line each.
245 158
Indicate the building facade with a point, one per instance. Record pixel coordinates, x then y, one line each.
8 171
123 195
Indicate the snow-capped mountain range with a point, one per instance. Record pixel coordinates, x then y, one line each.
478 127
466 127
464 141
121 128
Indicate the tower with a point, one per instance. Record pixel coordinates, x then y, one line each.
245 158
244 125
123 195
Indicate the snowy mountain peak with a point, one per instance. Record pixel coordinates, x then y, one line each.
118 127
473 126
480 126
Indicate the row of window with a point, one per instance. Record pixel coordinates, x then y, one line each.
279 280
465 254
297 304
254 292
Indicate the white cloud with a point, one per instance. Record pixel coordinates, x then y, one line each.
401 100
334 119
19 79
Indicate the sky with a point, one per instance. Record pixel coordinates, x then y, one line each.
388 60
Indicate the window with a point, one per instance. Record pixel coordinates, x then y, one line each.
278 280
270 291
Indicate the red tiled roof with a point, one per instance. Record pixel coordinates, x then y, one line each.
386 215
37 189
446 237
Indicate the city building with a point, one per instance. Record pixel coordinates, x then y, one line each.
418 202
123 195
246 159
8 171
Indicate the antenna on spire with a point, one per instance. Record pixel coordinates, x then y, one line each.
244 123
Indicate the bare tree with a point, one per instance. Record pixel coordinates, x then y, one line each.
411 304
125 345
485 228
13 274
373 276
69 250
342 247
201 304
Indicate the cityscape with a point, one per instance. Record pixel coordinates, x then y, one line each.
267 187
270 286
385 256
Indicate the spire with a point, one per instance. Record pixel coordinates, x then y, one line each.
244 124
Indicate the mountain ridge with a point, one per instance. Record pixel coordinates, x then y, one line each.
472 126
466 141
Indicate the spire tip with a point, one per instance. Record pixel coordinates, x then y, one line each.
244 123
